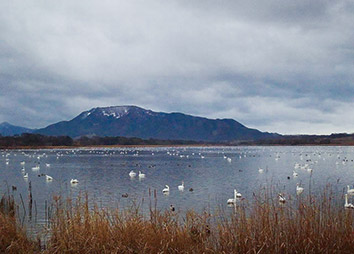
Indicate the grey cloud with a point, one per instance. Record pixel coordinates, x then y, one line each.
276 65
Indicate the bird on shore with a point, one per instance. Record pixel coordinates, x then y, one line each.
48 178
166 190
141 175
181 187
346 204
260 170
132 174
125 195
295 174
172 208
25 175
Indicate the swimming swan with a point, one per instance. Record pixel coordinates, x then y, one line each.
166 190
281 198
232 201
74 181
141 175
350 191
132 174
348 205
299 189
181 187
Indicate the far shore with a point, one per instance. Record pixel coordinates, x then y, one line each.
176 145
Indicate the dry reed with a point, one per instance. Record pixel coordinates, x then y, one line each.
304 224
13 238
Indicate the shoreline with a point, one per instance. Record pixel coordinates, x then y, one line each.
176 145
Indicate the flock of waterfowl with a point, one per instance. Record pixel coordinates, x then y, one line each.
306 166
299 189
36 167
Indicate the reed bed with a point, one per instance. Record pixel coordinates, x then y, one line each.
13 238
304 224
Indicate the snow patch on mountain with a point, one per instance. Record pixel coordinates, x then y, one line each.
116 112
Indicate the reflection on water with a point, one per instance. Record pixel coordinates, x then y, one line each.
210 174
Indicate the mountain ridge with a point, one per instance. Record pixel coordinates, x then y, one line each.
7 129
134 121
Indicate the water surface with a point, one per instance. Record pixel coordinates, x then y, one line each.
103 173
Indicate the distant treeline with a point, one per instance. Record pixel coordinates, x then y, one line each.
37 140
293 140
34 140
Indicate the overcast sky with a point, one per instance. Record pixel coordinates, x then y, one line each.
276 65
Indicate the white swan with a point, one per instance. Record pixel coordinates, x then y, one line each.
299 189
260 170
238 194
141 175
36 167
232 201
166 190
348 205
229 159
281 198
48 178
74 181
47 164
181 187
25 175
22 163
295 174
132 174
350 191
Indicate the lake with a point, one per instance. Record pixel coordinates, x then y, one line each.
212 173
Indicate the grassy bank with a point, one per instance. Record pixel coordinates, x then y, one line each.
306 224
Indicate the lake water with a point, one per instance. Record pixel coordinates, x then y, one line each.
104 174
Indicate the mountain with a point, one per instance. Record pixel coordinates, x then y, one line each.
132 121
7 129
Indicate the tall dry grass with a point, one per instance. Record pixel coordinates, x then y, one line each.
301 225
304 224
13 238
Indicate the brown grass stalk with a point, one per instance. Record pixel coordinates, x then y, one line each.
304 224
13 238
